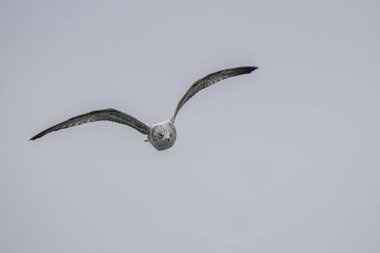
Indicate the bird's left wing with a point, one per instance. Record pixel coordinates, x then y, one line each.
99 115
208 81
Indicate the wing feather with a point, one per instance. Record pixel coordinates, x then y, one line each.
99 115
208 81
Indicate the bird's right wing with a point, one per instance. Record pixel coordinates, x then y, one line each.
100 115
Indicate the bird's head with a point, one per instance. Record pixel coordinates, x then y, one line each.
162 135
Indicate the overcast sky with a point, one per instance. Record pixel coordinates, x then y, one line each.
283 160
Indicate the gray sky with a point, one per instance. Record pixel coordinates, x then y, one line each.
282 160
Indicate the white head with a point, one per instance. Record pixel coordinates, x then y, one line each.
162 135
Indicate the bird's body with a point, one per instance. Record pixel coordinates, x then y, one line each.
161 135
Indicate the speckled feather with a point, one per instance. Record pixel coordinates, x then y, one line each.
161 135
208 81
99 115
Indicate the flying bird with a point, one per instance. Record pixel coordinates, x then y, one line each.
161 135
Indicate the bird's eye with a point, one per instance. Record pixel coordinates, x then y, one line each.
161 135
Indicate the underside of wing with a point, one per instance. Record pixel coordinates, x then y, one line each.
208 81
99 115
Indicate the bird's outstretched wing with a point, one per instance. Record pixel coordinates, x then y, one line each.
100 115
208 81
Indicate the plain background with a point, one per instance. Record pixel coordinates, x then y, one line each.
283 160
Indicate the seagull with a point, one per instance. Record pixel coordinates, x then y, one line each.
161 135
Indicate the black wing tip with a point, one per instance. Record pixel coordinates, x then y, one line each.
249 69
34 138
39 135
241 70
